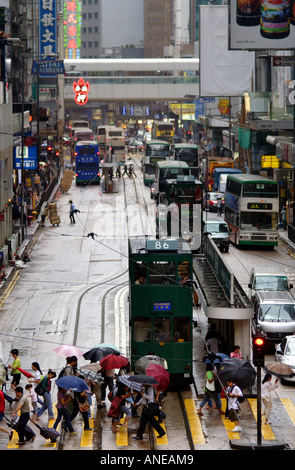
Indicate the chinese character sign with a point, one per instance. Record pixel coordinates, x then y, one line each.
72 22
81 91
48 28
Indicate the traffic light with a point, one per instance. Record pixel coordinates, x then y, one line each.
259 344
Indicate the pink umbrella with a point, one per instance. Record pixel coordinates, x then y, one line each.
160 374
67 351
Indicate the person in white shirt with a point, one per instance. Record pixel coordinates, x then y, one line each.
266 388
233 393
147 396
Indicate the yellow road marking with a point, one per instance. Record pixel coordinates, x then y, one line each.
9 288
229 425
290 408
122 434
87 436
162 440
194 421
265 428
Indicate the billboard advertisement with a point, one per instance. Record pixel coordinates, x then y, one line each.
222 72
262 24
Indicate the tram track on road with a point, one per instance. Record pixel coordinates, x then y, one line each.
100 415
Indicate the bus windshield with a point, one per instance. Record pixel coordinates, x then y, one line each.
260 189
188 155
258 221
154 150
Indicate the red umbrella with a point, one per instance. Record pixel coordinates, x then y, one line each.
113 361
27 374
160 374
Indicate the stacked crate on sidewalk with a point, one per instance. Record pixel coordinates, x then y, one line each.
53 215
66 181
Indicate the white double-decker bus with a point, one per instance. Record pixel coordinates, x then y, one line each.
252 210
111 139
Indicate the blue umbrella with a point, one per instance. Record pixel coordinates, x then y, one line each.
215 358
134 385
71 382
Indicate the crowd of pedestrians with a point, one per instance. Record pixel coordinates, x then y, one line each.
31 401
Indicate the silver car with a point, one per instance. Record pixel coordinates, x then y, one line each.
285 353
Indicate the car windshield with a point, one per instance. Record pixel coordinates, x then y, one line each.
271 283
290 349
216 227
277 313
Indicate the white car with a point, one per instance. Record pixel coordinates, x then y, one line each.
285 353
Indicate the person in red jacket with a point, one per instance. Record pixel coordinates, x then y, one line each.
2 409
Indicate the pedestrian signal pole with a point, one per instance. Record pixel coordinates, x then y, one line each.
259 348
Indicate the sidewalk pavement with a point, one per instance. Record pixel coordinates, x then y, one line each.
30 232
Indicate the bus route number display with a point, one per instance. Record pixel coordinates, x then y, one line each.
162 245
259 206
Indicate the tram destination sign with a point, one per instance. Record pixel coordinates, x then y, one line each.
48 67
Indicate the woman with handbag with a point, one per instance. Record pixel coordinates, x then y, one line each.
81 405
210 390
62 399
122 393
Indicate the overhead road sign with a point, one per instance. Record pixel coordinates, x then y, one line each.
48 67
283 61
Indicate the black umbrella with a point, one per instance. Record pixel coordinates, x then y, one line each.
97 354
143 379
242 371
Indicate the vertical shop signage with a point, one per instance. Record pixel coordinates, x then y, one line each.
72 22
48 29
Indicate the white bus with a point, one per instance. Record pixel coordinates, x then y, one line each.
252 210
78 123
111 139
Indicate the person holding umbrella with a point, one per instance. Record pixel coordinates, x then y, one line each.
147 397
266 388
210 390
62 412
233 393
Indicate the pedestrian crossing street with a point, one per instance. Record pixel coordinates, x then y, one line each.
266 430
85 441
194 421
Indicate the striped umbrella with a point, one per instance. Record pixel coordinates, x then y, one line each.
133 385
90 374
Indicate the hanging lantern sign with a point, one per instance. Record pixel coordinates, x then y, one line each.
81 90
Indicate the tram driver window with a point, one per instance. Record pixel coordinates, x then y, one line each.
181 329
142 330
162 329
162 272
140 273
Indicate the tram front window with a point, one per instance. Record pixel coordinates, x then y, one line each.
140 273
181 329
162 272
142 330
162 329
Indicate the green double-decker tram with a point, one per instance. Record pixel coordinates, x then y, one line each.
161 304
